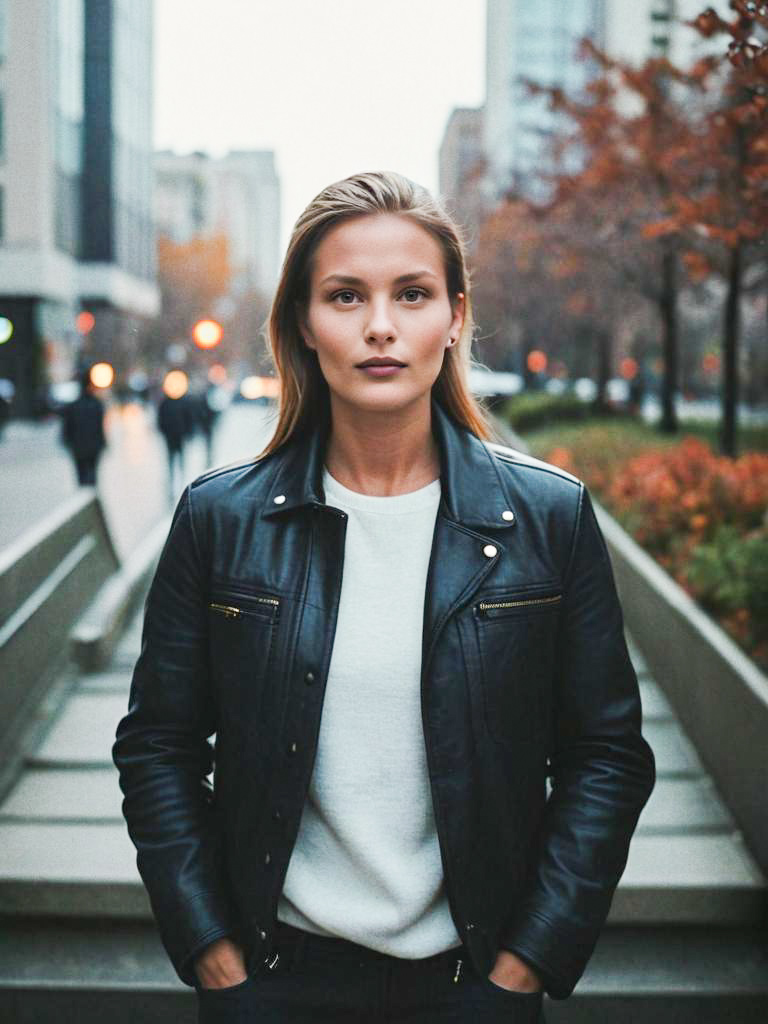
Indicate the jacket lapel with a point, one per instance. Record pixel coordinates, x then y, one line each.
457 566
474 504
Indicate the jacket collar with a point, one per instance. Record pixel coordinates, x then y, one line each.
473 490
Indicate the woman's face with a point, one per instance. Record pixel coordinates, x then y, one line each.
379 314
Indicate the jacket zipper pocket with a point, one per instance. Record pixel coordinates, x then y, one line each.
492 607
267 604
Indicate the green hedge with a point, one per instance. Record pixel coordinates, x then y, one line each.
533 409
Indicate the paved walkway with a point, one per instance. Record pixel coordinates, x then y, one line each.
36 472
63 842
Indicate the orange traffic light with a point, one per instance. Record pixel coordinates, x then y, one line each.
207 333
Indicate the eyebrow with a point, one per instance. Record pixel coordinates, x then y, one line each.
402 279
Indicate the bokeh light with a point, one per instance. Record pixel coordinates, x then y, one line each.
207 333
176 383
84 322
102 375
628 368
537 361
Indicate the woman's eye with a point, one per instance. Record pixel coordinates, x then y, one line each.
346 297
414 294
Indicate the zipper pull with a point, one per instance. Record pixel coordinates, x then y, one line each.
458 970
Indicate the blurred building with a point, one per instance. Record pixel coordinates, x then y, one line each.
75 185
657 28
535 40
237 196
461 168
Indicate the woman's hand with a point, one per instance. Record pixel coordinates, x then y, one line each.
511 972
221 965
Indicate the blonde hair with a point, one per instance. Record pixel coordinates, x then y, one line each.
304 396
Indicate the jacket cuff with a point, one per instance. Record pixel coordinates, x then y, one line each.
203 920
536 942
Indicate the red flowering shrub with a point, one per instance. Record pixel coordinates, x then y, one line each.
703 516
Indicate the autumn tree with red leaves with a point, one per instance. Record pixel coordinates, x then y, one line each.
726 202
673 163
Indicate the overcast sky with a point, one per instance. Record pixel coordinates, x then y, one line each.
333 86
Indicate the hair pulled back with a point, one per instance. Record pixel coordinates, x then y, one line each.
304 397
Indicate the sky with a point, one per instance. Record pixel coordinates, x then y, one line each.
333 86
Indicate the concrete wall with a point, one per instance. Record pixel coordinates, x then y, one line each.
719 694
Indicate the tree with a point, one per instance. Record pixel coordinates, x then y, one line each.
728 205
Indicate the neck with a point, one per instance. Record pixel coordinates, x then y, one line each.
382 453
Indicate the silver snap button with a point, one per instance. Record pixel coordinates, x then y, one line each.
279 499
507 516
490 550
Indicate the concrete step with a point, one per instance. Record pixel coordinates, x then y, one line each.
84 866
65 795
54 972
64 845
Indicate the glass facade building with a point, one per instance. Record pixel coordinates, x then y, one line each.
117 209
535 40
75 185
68 113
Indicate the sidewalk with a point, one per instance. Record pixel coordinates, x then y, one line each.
64 850
36 473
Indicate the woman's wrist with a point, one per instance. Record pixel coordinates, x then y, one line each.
511 972
221 965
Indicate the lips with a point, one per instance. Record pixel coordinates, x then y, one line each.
380 361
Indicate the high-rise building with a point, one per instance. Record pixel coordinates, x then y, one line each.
461 168
237 196
75 185
657 28
532 40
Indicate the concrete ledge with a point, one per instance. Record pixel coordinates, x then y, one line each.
718 693
46 578
96 634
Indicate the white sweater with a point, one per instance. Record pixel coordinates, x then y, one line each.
366 865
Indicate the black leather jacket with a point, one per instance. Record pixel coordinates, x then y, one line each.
525 675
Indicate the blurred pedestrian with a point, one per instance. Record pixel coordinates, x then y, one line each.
82 431
175 421
207 415
7 391
397 632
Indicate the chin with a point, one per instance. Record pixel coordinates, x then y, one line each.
382 399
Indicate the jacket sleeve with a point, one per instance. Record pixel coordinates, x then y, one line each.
163 756
603 772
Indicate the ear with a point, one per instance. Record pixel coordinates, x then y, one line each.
458 305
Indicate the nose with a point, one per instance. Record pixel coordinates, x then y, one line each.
380 327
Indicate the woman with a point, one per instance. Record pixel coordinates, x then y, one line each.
397 631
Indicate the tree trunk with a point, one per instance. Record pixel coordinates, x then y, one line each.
604 346
730 377
668 311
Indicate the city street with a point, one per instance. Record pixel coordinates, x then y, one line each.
37 474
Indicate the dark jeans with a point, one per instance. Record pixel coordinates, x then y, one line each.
314 979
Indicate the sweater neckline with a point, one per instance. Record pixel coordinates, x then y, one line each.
391 504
